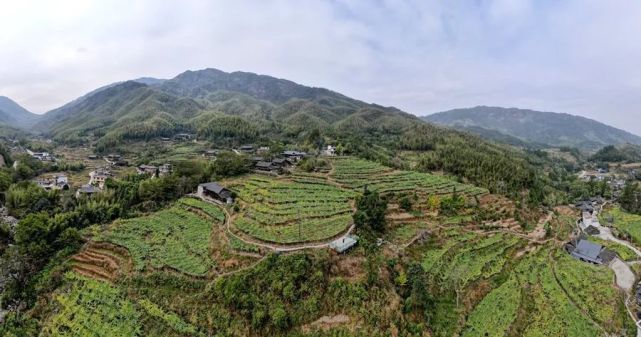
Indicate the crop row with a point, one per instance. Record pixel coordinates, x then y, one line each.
174 237
305 230
212 210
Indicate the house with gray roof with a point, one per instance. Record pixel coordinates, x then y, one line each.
215 191
589 251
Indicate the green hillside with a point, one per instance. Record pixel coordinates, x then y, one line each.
535 127
12 115
230 109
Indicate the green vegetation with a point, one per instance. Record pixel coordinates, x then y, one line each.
356 174
629 225
285 212
486 321
173 238
209 209
625 253
92 308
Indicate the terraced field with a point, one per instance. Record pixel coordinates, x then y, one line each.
289 212
92 308
468 257
175 238
87 307
357 173
579 301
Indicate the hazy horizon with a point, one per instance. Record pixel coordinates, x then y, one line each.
576 57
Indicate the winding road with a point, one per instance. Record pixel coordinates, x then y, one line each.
625 277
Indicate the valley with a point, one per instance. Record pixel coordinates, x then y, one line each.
236 204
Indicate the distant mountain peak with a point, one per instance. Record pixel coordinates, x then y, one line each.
534 127
12 114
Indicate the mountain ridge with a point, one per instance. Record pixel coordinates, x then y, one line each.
538 127
14 115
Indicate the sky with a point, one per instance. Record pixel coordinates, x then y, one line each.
576 56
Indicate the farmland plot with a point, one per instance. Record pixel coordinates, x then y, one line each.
92 308
357 173
87 307
289 212
174 238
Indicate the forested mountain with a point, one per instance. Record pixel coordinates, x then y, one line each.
245 104
536 127
229 109
13 115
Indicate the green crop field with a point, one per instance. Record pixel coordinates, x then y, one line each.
92 308
208 208
174 238
532 301
541 293
288 212
357 173
629 224
469 258
88 307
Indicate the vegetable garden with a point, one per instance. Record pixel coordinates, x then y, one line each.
87 307
357 173
289 212
176 238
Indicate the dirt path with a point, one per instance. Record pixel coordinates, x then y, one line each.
276 247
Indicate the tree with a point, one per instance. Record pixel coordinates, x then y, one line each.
370 211
452 204
405 203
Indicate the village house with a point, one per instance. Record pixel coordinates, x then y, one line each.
266 166
246 148
42 156
98 177
295 155
282 162
56 182
215 191
147 169
154 171
263 150
164 169
211 153
86 190
589 251
330 150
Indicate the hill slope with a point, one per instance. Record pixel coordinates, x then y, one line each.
13 115
555 129
230 109
252 104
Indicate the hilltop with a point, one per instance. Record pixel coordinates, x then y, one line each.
14 115
534 127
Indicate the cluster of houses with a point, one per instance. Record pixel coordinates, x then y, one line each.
582 248
42 156
154 171
279 164
55 182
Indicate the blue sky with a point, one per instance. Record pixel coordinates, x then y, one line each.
577 56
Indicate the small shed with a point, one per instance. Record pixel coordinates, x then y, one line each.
216 191
344 243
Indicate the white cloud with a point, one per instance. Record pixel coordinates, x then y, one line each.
578 56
